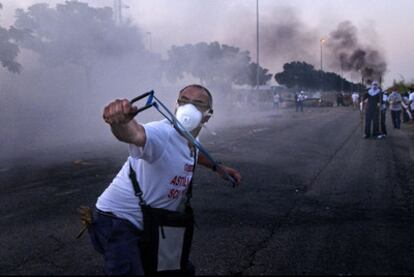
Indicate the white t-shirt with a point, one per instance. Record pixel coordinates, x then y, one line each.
355 97
301 97
164 168
411 98
384 102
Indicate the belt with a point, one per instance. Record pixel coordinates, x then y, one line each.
110 214
105 213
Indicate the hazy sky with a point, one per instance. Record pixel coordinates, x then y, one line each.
388 24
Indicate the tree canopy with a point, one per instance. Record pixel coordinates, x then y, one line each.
75 33
86 39
9 50
249 76
213 64
304 76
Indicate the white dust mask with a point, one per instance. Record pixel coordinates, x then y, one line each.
189 116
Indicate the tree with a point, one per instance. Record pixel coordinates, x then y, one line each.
298 74
303 75
74 33
9 50
213 64
249 76
402 86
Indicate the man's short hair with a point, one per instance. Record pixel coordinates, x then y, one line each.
210 97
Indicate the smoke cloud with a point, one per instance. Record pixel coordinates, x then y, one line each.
284 37
75 60
347 53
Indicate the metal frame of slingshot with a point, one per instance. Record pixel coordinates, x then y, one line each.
153 101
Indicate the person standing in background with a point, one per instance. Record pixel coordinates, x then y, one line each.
411 101
355 100
395 100
372 99
384 107
299 101
339 99
276 100
405 103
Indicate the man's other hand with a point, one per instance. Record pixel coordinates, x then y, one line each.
231 171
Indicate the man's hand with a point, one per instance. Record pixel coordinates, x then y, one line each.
119 112
231 171
119 115
364 105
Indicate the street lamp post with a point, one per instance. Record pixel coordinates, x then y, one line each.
322 41
149 41
117 10
257 44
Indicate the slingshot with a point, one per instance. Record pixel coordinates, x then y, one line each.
153 101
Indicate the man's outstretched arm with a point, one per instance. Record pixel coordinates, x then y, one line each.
119 115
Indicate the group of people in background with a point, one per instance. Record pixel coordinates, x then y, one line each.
299 98
375 103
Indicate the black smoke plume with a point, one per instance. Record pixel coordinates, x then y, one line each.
348 54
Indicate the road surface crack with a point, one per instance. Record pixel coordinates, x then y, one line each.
264 242
331 158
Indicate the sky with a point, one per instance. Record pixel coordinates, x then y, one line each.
385 25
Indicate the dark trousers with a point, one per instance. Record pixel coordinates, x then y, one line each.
299 106
396 119
383 122
118 241
406 117
372 116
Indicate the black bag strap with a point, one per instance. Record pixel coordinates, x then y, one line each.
189 193
138 191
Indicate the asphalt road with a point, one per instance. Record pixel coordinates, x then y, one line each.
316 199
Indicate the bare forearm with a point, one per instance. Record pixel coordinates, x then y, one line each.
202 160
131 132
221 170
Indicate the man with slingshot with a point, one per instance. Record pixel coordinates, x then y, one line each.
157 174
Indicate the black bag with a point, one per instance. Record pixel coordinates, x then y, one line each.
167 237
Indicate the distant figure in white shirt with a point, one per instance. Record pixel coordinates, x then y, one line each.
407 115
299 98
395 100
411 101
355 100
276 100
383 119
